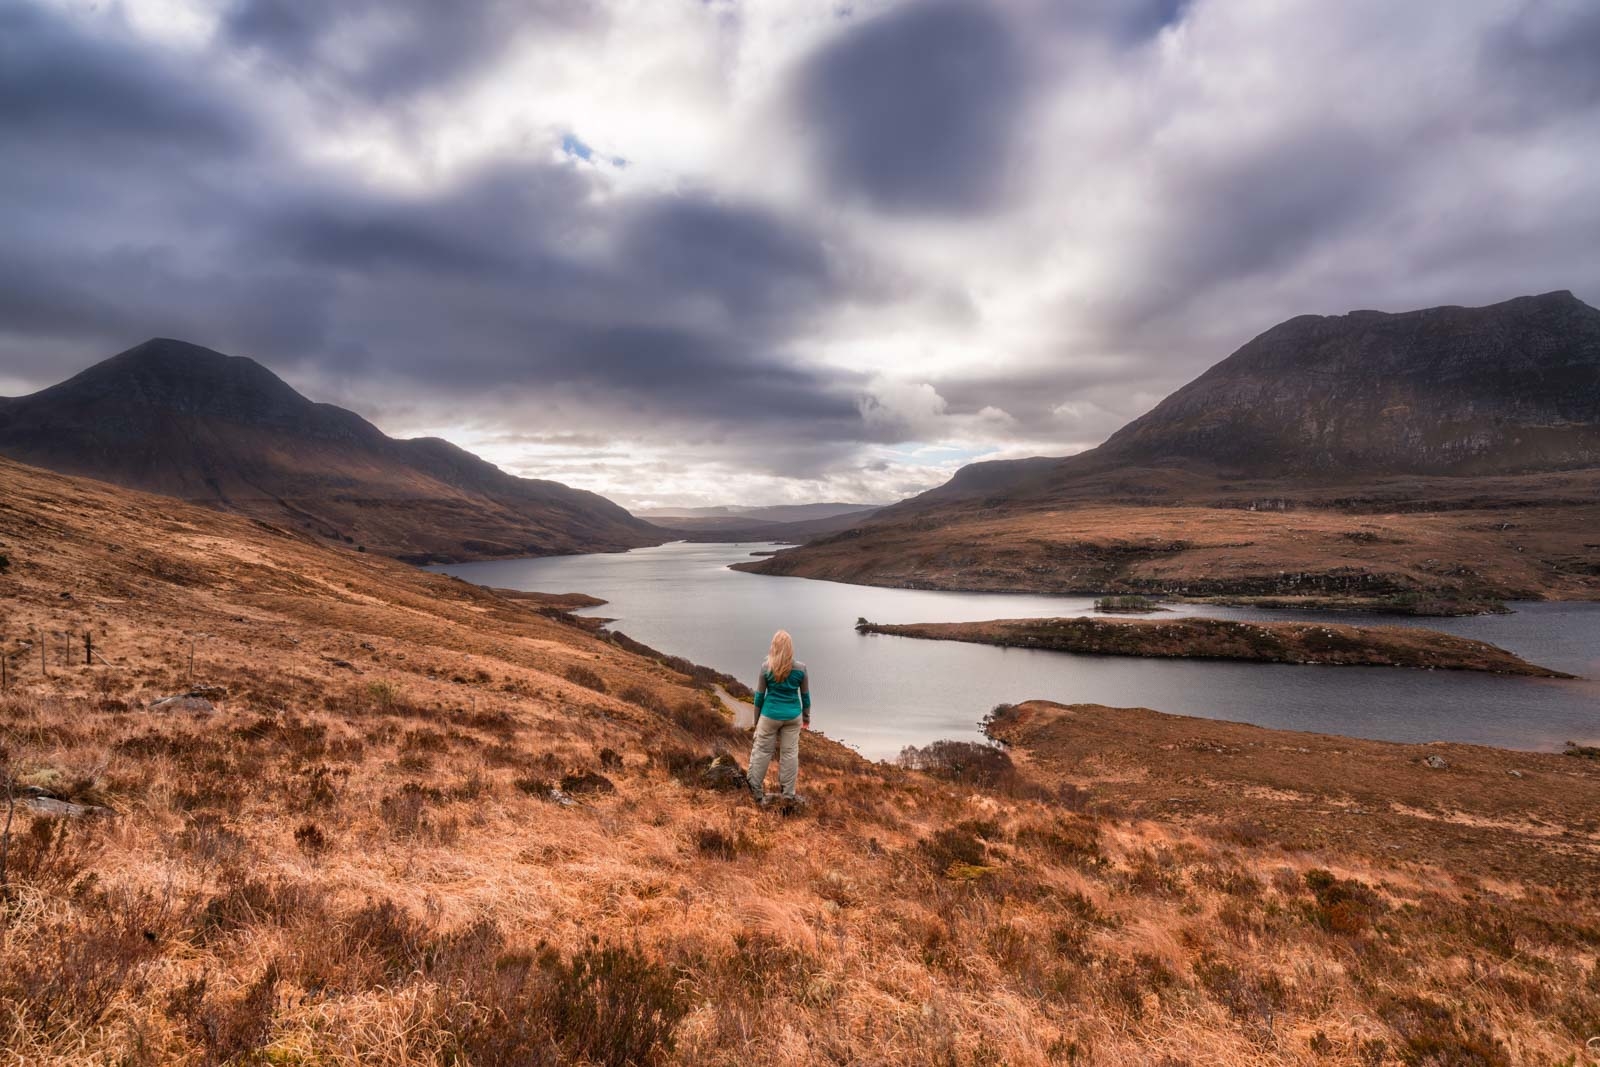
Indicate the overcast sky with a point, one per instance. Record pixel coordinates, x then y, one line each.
704 251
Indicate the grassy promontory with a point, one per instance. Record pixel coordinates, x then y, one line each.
1322 643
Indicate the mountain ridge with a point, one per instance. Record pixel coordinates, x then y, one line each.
1466 411
176 418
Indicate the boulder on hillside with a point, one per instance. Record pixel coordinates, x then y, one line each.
724 774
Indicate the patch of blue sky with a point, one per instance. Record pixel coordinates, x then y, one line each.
933 454
572 146
577 148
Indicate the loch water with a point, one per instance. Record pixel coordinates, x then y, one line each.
880 693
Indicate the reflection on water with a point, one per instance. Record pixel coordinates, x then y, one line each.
881 693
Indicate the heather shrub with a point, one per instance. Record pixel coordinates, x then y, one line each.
1342 905
228 1029
581 675
965 762
703 722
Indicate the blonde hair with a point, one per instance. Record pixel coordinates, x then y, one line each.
780 656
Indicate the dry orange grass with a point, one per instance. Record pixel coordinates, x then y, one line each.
1454 543
354 859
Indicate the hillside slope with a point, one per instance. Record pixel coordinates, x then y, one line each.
1449 454
174 418
353 854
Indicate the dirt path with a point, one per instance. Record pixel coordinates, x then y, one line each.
743 714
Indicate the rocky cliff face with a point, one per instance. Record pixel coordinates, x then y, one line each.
175 418
1450 390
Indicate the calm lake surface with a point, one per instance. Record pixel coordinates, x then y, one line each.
880 693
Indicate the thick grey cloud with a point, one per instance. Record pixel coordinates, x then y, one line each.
673 307
59 86
848 249
917 109
382 50
1550 52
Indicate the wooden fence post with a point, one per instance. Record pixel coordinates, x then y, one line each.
44 667
88 649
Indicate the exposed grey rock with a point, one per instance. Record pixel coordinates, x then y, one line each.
182 702
723 773
1515 774
1436 762
52 806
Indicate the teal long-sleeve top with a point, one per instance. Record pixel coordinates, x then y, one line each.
786 699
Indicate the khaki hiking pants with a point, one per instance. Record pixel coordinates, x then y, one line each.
786 735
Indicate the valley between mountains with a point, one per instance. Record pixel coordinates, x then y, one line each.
273 797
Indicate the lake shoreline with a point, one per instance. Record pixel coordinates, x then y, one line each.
881 696
1464 806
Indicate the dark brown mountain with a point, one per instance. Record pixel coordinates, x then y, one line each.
175 418
1458 412
1506 389
1450 390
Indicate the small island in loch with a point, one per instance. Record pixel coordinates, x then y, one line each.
1319 643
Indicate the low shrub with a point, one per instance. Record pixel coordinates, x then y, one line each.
311 839
965 762
1342 905
1071 841
703 722
386 696
640 697
953 846
581 782
608 1005
533 785
581 675
71 969
679 762
1433 1034
228 1029
1249 997
719 844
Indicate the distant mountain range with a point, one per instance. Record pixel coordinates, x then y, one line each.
782 523
1448 410
761 513
178 419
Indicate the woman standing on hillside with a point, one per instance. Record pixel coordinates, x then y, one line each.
783 705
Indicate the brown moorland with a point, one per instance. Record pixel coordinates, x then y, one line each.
1427 547
428 825
1312 643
